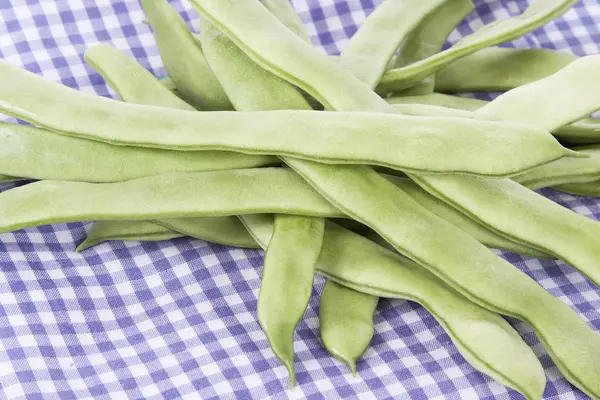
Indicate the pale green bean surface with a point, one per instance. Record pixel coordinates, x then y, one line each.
536 15
498 68
591 189
176 195
396 141
183 58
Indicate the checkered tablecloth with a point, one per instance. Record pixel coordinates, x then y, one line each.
177 319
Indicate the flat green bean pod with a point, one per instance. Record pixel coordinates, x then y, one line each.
134 83
374 44
183 58
227 230
175 195
474 228
579 96
591 189
482 337
284 12
501 149
536 15
428 38
287 281
583 131
346 319
103 231
498 68
566 170
514 293
38 154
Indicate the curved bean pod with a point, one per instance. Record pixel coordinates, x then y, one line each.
287 282
228 230
177 195
284 12
346 322
134 83
332 137
38 154
575 81
474 228
352 184
374 44
591 189
583 131
190 74
564 171
428 38
498 68
482 337
536 15
103 231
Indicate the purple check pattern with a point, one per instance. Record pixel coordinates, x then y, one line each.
177 319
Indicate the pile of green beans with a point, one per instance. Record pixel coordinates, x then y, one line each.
397 189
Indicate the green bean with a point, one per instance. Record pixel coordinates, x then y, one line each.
287 282
103 231
183 58
479 231
346 319
536 15
372 46
38 154
135 84
426 110
175 195
227 230
402 221
482 337
284 12
296 242
331 137
591 189
584 131
575 81
428 38
498 68
566 170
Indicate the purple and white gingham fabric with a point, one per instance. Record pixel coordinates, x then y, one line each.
177 319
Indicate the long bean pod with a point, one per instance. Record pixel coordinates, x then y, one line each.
191 74
368 57
575 170
260 100
388 218
428 38
483 338
38 154
346 322
176 195
536 15
501 149
103 231
287 281
583 131
500 68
